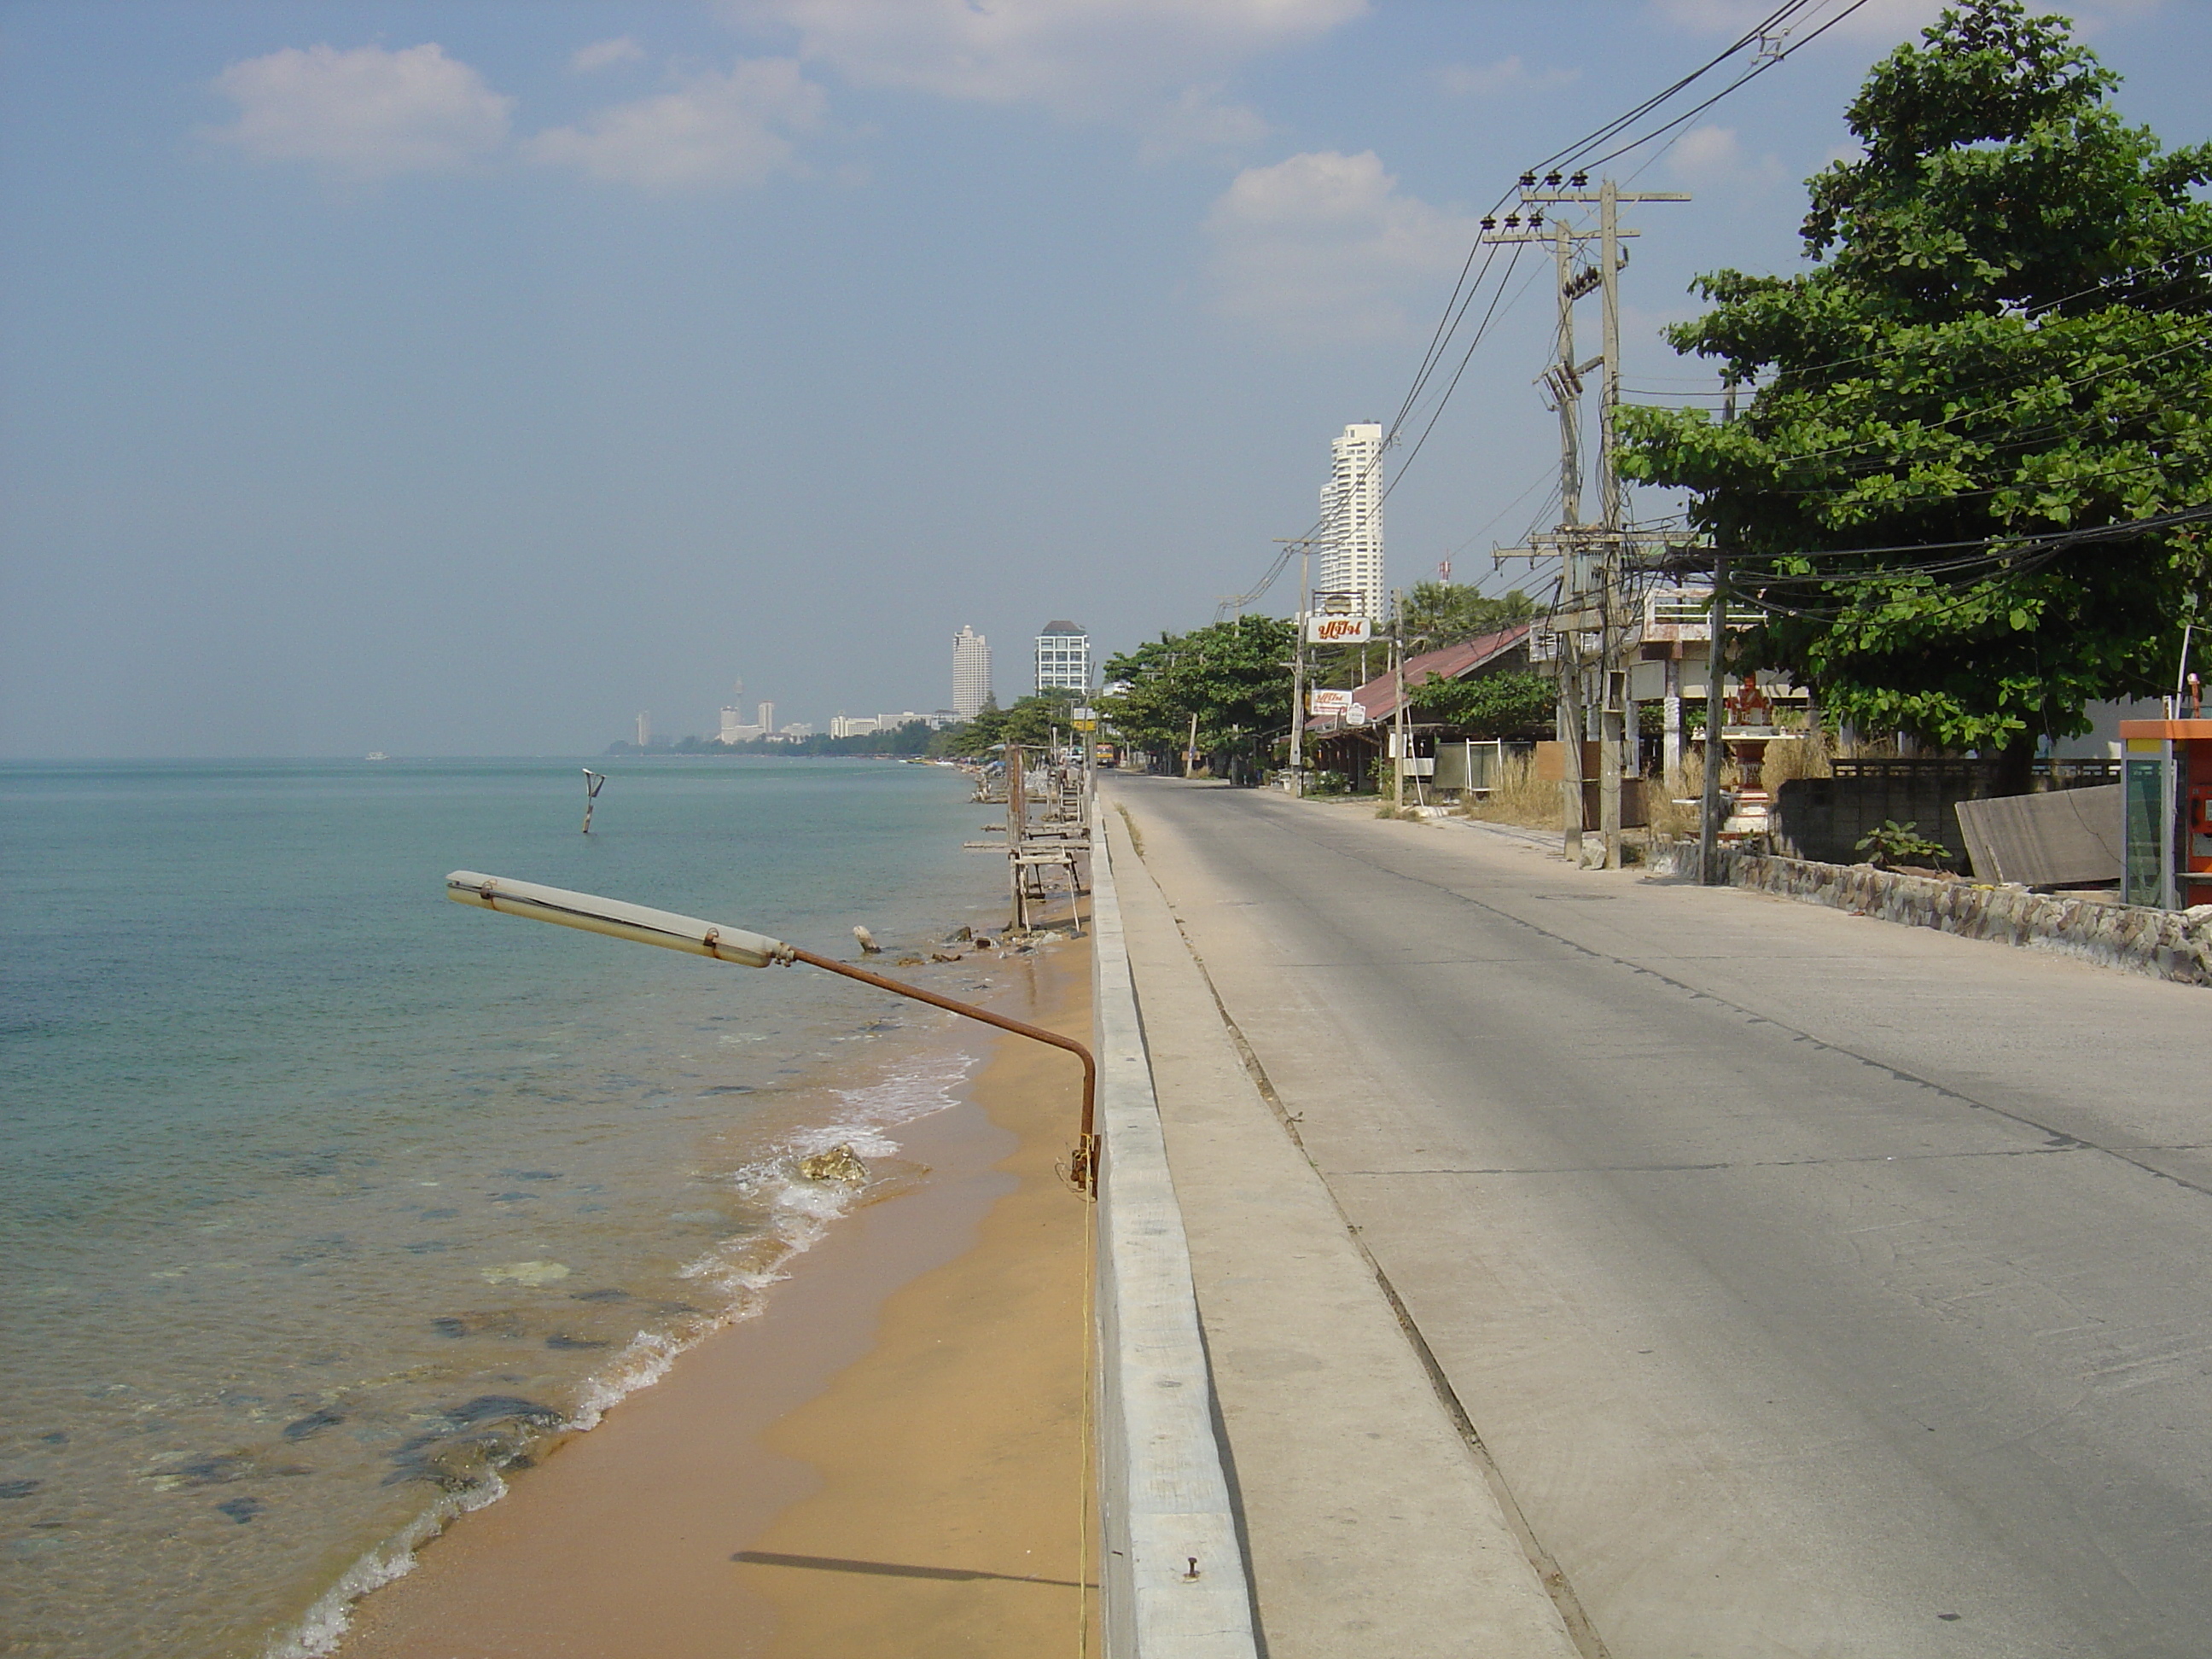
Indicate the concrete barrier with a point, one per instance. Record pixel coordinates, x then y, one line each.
1174 1582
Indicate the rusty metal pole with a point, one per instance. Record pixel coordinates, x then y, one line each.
1082 1170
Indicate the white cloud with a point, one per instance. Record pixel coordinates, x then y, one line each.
711 130
1152 62
1506 74
604 54
1197 119
1323 247
1714 155
367 113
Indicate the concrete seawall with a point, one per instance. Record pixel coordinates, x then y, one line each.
1174 1582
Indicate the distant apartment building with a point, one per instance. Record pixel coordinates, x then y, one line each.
971 672
1351 543
858 726
1063 658
736 728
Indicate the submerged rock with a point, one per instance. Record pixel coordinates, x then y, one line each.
840 1163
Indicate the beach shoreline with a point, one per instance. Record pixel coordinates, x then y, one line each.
889 1490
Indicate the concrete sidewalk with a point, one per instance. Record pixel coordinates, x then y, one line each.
1374 1522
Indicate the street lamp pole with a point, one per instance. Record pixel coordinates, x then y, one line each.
642 926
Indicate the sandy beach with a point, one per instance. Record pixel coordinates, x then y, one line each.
888 1460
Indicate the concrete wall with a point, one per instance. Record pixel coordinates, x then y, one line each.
1174 1581
2173 945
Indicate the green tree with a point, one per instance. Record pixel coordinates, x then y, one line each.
1029 722
1513 704
2004 335
1234 676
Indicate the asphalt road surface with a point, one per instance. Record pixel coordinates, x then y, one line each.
1820 1285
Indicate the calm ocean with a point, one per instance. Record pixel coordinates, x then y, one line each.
322 1195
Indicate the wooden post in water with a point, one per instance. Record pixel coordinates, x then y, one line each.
593 783
1017 830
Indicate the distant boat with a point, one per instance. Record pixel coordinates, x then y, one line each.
376 754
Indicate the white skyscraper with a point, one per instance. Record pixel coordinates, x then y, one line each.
1063 658
971 672
1352 520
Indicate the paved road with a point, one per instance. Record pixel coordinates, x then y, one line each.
1820 1287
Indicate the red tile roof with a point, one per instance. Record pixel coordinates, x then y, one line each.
1379 696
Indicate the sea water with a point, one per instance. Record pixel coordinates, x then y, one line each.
322 1200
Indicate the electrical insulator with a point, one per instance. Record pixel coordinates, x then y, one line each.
1528 182
1580 181
1490 224
1551 180
1512 220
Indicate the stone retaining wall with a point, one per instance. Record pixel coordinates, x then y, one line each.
2175 945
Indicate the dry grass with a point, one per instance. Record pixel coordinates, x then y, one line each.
1808 757
1518 798
1663 817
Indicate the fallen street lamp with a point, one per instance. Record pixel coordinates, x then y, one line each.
594 915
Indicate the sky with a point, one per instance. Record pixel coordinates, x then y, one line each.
466 378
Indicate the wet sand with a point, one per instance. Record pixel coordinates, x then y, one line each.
887 1460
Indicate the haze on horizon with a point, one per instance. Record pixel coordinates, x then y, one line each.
464 378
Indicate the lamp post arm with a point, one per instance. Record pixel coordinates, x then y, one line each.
700 938
1082 1171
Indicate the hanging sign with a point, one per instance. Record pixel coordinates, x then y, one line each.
1338 703
1356 715
1322 629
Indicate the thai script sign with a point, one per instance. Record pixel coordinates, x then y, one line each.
1322 629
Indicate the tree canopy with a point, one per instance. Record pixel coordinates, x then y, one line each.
1234 676
1029 722
2004 335
1513 704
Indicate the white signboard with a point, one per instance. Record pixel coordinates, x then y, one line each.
1338 703
1083 714
1356 715
1322 629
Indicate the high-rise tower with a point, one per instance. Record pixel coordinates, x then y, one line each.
1352 521
971 672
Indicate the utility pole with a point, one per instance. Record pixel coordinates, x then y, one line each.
1400 746
1709 808
1298 670
1592 558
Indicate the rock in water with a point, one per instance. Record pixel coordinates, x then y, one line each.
838 1163
868 946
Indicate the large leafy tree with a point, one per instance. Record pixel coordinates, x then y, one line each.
1234 676
1513 704
2004 335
